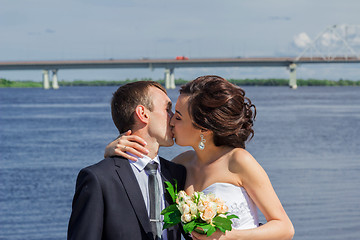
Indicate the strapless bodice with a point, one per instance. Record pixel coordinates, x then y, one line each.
238 202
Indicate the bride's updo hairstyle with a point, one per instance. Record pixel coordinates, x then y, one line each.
220 106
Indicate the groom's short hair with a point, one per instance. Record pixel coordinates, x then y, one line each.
126 98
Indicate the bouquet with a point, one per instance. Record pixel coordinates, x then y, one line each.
199 212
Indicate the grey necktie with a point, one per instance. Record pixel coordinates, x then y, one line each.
154 196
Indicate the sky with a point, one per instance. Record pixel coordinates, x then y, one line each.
124 29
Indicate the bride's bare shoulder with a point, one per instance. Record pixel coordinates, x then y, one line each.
184 157
241 160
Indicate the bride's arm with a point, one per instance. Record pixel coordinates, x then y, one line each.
127 143
257 184
124 144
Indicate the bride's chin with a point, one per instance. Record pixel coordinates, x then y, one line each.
179 143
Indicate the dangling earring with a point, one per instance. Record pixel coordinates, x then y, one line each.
202 142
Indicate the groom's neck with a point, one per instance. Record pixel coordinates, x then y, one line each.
152 145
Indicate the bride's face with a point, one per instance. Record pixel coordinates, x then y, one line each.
185 133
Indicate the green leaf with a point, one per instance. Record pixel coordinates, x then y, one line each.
221 229
224 223
170 208
231 216
176 189
221 220
199 230
172 217
189 227
168 225
204 226
211 230
171 190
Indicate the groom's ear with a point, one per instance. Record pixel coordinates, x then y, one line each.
142 113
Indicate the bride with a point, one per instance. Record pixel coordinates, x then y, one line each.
215 118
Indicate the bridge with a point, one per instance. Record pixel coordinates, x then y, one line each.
312 54
169 65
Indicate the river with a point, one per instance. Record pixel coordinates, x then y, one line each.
307 140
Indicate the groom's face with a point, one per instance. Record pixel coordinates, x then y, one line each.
159 124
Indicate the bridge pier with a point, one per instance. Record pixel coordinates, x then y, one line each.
169 78
55 84
292 81
46 82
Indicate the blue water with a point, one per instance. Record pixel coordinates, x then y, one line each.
307 140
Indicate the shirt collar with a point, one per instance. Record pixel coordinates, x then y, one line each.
143 161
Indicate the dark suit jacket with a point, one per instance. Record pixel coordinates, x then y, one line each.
108 203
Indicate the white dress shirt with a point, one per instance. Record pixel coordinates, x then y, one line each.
143 178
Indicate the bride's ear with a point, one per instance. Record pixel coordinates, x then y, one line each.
142 114
206 133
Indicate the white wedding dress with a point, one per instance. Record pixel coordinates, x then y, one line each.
238 202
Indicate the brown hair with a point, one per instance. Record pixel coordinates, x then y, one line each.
127 98
220 106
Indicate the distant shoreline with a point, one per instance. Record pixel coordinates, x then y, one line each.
4 83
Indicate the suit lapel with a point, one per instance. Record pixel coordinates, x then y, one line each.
166 176
175 231
133 192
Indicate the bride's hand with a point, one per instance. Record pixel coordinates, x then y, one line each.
126 143
216 235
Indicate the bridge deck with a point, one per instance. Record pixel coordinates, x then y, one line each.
171 63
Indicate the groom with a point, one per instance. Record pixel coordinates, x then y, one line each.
112 200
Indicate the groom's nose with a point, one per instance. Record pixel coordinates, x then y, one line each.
171 121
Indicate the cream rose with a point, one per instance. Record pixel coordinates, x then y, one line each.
185 218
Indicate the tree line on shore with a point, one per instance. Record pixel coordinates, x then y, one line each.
242 82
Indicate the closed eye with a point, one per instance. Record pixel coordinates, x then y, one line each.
176 111
168 107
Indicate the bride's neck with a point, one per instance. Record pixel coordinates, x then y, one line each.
210 153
